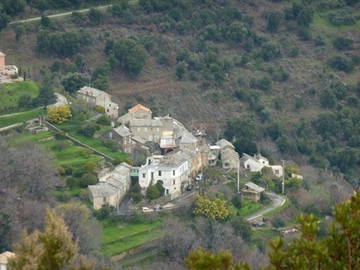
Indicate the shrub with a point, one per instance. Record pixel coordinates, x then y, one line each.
341 17
212 208
74 81
103 120
59 114
25 101
99 109
341 63
264 83
278 222
87 179
242 228
343 44
89 129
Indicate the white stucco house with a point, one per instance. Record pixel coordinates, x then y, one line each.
257 162
173 170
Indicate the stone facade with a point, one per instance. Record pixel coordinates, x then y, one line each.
95 97
112 186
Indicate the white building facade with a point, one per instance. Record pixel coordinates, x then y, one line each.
172 170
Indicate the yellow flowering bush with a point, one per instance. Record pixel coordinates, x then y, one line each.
59 114
212 208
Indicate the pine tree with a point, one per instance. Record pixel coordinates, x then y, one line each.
52 249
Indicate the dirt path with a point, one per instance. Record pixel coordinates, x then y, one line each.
13 114
60 14
277 200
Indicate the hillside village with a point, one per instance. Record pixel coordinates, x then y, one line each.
183 135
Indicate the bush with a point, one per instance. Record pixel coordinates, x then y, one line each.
342 17
264 83
341 63
237 201
104 212
25 101
59 114
74 81
212 208
343 44
87 179
278 222
242 228
153 192
103 120
89 129
129 55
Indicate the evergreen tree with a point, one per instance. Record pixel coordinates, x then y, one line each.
52 249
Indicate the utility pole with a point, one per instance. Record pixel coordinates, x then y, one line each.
283 177
238 178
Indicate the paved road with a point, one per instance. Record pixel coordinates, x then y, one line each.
277 201
68 13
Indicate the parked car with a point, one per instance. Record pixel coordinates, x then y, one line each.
158 207
147 210
199 177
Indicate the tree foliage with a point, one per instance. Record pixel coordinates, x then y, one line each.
338 249
52 249
212 208
59 114
74 81
127 54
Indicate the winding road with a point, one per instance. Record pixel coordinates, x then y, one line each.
277 201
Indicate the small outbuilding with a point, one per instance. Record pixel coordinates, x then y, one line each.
252 191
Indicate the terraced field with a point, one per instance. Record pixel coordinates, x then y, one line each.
70 155
8 120
118 238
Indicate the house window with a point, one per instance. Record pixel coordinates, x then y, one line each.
159 173
144 175
277 172
248 166
110 135
104 200
173 172
174 182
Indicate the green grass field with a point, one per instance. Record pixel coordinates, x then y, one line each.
11 92
119 237
248 207
20 117
72 155
96 143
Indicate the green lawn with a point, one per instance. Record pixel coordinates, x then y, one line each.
71 155
21 117
119 237
248 207
11 92
71 128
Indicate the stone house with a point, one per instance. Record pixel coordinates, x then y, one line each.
257 162
8 73
95 97
229 157
252 191
4 259
112 186
136 112
173 170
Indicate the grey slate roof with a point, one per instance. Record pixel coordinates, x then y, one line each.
122 130
225 143
254 187
187 137
90 91
118 180
145 123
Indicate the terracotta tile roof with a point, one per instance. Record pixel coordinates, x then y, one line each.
139 107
